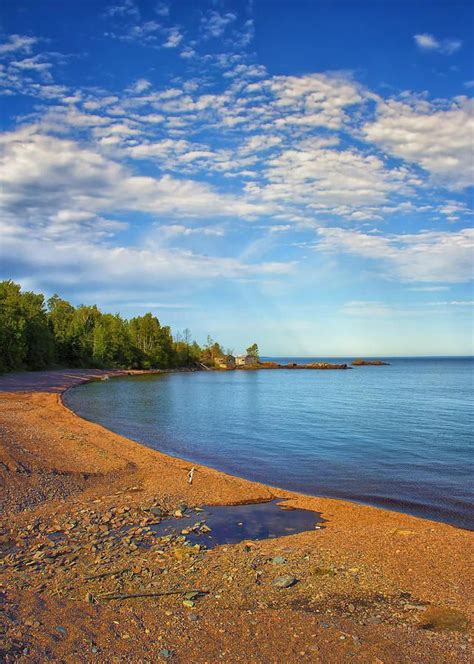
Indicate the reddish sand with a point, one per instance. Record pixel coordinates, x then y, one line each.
372 586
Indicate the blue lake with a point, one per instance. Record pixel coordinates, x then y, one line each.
397 436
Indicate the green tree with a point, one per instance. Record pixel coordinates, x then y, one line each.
13 346
61 314
39 337
253 351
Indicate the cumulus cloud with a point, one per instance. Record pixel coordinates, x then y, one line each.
55 195
174 38
430 256
439 139
17 43
86 265
41 174
427 42
326 179
214 23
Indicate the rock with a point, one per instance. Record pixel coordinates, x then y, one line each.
285 581
278 560
165 652
178 514
157 511
189 603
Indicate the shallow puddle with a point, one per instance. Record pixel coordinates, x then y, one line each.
230 524
439 619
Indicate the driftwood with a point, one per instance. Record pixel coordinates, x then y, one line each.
191 475
120 596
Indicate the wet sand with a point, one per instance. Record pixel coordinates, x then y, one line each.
371 586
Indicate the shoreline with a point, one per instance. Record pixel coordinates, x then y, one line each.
275 489
66 464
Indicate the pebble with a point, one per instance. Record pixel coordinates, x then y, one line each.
285 581
165 652
278 560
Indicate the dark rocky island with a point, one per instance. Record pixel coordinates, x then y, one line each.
369 363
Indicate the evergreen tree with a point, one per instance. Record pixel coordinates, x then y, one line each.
34 337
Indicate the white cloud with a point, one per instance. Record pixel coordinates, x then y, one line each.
369 309
214 24
181 230
17 43
162 9
325 179
140 86
453 303
174 38
41 174
427 256
427 42
454 211
82 264
437 139
123 9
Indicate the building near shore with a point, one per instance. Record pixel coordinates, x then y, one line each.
226 362
246 361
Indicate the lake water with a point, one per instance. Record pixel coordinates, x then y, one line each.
397 436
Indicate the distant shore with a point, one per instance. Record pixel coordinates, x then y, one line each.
374 577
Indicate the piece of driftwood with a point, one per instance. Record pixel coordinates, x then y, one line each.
191 475
121 596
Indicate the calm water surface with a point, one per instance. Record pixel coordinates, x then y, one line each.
398 436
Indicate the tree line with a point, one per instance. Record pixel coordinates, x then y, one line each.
38 334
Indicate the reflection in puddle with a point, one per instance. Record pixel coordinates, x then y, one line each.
216 525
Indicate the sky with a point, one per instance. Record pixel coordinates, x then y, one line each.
299 174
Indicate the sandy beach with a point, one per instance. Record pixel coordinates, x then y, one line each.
371 586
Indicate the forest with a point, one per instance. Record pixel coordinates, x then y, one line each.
36 333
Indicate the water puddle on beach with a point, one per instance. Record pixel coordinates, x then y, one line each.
230 524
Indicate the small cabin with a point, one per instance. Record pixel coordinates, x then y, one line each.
246 361
226 362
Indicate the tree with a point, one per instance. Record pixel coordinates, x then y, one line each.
33 336
39 337
253 351
60 314
13 347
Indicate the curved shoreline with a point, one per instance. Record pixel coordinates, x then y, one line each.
74 378
74 476
276 490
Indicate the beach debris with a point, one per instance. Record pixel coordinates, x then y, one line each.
165 652
165 593
285 581
191 475
189 603
279 560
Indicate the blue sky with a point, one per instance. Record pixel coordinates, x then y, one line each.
293 173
